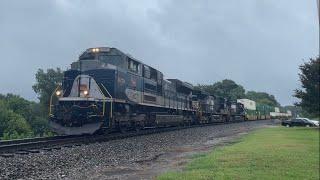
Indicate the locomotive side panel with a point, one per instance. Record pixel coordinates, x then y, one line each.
106 80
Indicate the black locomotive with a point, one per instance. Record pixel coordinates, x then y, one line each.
108 90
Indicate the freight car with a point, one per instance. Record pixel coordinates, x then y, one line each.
259 111
108 90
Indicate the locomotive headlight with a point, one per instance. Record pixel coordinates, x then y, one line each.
58 93
95 50
85 92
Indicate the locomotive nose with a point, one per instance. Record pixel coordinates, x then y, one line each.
80 110
85 129
78 118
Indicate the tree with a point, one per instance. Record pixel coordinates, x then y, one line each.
46 83
19 105
295 110
310 92
262 97
28 110
226 88
12 125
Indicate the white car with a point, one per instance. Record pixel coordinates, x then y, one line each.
312 121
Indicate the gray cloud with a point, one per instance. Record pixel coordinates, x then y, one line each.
257 43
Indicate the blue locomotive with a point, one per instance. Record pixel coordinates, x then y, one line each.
108 90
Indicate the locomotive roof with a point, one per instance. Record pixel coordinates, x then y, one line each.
113 50
181 83
198 91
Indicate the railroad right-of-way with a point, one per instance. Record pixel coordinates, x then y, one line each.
129 158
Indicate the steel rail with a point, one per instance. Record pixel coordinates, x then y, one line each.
26 140
56 142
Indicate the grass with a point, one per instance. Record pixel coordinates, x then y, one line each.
272 153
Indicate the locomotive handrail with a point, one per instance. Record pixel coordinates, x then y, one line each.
50 105
104 101
107 91
111 104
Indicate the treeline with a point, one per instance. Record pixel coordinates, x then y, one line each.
233 91
20 118
308 94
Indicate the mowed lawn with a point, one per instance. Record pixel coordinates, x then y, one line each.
271 153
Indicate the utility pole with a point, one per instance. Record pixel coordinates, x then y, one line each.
318 8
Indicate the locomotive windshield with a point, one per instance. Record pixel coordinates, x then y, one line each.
87 56
110 59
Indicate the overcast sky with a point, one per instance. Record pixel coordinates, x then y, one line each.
257 43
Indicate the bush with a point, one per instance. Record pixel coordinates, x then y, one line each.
39 125
13 125
19 116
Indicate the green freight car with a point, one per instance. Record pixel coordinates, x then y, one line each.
263 111
256 111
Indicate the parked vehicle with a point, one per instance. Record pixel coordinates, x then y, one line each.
297 122
312 121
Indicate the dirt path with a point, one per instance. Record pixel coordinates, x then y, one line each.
174 159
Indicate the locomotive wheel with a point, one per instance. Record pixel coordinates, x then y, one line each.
123 129
138 127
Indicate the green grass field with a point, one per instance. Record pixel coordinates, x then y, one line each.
272 153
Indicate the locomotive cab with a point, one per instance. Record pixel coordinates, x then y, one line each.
101 78
85 99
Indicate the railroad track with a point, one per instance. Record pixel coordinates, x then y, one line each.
35 145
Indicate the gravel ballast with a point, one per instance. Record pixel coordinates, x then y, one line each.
130 158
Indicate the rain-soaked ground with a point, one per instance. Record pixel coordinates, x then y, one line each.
142 157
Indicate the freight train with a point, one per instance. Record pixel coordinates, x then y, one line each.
107 90
259 111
